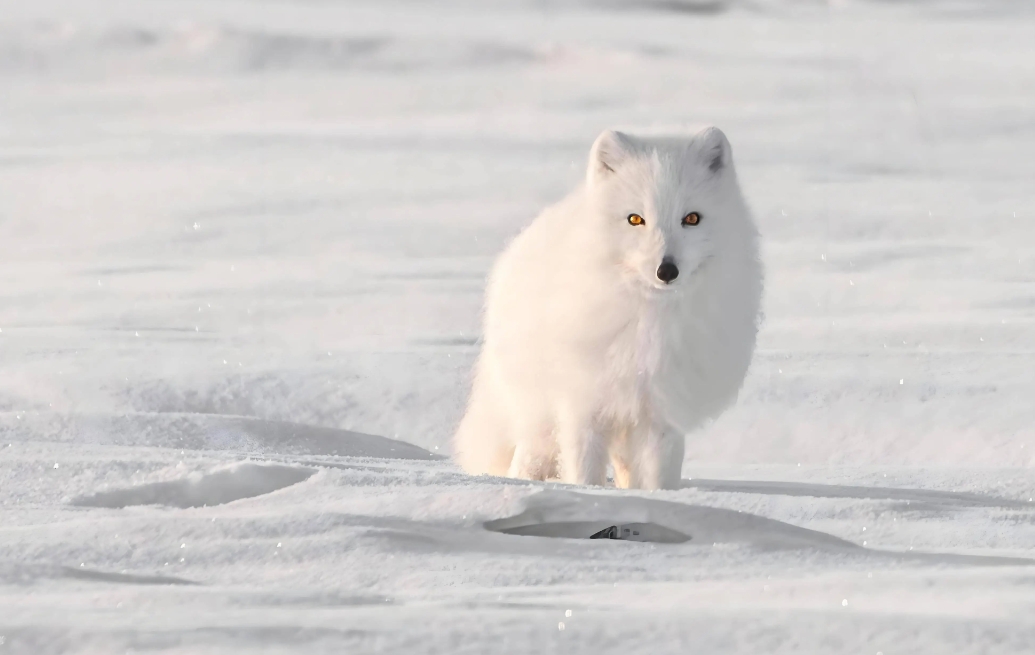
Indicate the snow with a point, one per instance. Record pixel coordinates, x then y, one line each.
217 487
242 252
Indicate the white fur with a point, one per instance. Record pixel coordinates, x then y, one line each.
588 357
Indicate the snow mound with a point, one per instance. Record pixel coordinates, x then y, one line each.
280 436
20 573
941 499
91 575
218 487
554 513
201 431
570 515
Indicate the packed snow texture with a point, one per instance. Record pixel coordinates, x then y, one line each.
242 255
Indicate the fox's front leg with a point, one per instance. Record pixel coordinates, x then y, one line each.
660 461
583 455
535 457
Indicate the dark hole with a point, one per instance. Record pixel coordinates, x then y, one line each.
593 530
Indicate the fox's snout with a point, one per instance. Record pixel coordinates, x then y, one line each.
668 270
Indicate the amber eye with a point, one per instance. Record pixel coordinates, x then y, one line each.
693 218
636 219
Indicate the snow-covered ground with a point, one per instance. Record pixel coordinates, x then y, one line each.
240 238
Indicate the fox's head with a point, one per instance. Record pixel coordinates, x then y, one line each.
663 204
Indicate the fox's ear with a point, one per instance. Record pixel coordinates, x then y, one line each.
714 149
608 151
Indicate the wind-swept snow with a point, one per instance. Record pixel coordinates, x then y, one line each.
225 485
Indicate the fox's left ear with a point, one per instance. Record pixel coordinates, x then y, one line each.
714 149
608 151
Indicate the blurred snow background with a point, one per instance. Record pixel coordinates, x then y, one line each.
313 192
228 225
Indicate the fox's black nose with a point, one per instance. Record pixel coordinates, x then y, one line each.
667 271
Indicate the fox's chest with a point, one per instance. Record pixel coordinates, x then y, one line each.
631 363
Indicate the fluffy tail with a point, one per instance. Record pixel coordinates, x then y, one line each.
482 444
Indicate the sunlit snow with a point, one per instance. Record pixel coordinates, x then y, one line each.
243 247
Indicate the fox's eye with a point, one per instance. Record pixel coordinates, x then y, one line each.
691 219
636 219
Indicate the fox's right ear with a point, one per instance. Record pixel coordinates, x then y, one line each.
608 151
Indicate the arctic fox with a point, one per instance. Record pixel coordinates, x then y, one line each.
619 320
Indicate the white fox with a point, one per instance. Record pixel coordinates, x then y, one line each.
619 320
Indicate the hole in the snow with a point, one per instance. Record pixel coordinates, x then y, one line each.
596 530
566 514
